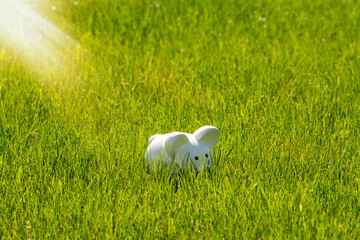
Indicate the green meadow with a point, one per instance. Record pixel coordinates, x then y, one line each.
279 79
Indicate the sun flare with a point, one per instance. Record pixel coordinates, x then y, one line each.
35 40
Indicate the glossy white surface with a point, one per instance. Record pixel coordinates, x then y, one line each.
183 150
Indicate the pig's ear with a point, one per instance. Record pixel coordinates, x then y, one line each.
175 142
208 134
153 138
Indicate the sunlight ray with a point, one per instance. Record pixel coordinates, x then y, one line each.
36 41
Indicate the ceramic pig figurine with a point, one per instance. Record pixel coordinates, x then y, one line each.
183 149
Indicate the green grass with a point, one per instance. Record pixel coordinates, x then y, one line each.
279 79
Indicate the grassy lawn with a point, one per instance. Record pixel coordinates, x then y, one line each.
279 79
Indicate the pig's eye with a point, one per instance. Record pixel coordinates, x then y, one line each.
196 158
206 155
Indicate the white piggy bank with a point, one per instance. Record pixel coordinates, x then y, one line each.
181 150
